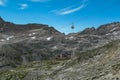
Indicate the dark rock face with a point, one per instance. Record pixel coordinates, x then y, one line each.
1 22
21 44
89 31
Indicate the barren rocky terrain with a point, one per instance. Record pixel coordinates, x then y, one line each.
40 52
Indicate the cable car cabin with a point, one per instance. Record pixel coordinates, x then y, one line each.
72 27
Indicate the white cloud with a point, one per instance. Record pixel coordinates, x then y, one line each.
39 0
2 2
69 10
23 6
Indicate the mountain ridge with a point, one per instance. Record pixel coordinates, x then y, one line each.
37 43
85 31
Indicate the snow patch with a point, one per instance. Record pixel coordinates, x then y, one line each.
34 37
2 40
66 38
30 34
33 33
49 38
107 34
8 38
71 37
55 47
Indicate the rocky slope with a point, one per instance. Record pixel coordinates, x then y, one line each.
20 44
98 64
30 43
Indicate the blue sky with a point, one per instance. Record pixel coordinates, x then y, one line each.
61 13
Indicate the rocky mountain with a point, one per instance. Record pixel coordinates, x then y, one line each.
50 55
102 63
103 29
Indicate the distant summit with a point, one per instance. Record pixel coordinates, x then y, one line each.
9 27
102 30
1 21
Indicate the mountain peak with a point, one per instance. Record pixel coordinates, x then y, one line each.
1 19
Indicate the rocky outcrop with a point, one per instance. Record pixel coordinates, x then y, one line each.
89 31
